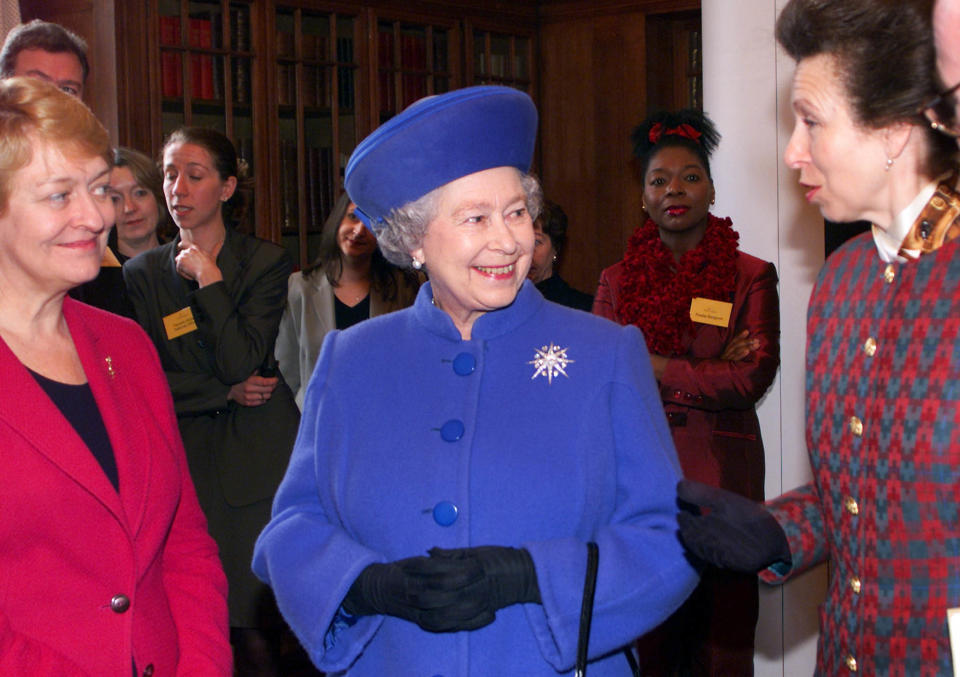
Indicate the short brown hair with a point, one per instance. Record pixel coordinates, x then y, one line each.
49 37
33 110
884 53
147 175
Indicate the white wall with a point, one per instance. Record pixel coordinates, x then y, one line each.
746 82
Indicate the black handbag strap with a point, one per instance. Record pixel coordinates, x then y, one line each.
586 616
586 608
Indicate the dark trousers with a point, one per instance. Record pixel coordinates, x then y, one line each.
710 634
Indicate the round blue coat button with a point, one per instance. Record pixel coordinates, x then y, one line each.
452 430
445 513
464 364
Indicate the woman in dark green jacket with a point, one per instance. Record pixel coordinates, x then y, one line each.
211 300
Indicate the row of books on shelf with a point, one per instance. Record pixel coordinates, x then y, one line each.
497 65
315 87
345 74
316 84
204 29
319 179
312 47
206 70
413 87
206 77
410 73
413 51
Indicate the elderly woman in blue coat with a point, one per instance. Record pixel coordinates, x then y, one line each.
454 458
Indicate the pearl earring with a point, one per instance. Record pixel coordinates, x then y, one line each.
889 164
417 265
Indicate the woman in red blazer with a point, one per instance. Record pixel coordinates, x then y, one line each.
105 561
710 316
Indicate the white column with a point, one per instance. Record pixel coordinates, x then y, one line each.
746 83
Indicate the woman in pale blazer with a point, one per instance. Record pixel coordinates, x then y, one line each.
348 282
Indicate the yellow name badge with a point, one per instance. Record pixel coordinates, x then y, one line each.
708 311
179 323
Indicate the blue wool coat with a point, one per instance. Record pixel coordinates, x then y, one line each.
413 438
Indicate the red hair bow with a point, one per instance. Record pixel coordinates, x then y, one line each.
684 130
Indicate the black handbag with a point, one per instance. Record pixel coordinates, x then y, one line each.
586 616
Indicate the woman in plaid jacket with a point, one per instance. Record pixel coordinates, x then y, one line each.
883 351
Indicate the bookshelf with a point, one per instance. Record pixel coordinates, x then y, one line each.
313 98
296 84
572 56
414 60
500 58
206 58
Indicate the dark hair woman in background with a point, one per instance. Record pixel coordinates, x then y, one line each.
348 282
211 300
712 370
551 232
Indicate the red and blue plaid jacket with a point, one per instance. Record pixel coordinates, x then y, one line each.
883 433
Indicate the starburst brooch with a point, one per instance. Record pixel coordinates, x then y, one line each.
550 361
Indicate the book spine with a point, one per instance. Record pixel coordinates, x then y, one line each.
170 61
313 190
240 39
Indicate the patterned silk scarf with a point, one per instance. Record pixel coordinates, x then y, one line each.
938 222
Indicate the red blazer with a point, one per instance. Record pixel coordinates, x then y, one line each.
73 549
710 402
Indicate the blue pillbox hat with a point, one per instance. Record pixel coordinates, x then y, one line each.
437 140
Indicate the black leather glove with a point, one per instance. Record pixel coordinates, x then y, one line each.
425 590
509 576
734 533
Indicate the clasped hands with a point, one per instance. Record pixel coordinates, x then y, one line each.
253 391
448 591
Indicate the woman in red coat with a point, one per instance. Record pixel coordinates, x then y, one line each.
710 316
105 561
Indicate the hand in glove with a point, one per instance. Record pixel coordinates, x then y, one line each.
508 574
733 533
425 590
